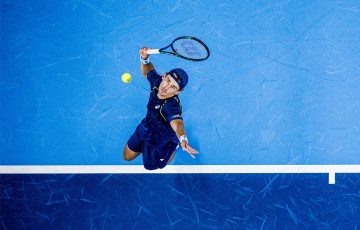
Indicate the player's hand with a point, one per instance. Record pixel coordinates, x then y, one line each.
143 53
186 147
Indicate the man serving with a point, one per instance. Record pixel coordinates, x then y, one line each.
160 132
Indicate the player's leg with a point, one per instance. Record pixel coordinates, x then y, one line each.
133 148
128 154
172 157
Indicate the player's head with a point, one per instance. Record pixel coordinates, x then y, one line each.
180 76
173 83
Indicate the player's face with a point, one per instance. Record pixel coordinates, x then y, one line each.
168 87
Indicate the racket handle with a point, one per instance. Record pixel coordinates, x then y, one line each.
153 51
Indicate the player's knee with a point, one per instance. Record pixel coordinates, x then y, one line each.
127 156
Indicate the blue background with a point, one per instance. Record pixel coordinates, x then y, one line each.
180 201
281 85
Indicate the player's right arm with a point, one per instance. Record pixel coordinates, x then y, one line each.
145 68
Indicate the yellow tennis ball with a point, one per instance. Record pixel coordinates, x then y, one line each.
126 77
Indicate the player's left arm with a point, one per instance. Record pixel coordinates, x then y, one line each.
178 127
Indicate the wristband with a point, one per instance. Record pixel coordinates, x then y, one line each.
183 138
145 62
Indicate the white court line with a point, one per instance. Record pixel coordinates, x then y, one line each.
331 178
139 169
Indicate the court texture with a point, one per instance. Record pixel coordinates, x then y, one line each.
274 112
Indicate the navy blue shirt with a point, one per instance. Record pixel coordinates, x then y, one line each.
160 112
159 138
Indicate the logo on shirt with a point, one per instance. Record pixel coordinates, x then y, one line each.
158 106
176 116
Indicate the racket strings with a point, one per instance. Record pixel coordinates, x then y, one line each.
190 48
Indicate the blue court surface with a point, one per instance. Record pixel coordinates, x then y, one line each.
281 87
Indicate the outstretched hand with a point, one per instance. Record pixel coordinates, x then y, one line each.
186 147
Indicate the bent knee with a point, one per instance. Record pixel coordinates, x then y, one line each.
127 156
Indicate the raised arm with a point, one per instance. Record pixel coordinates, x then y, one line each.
178 127
145 68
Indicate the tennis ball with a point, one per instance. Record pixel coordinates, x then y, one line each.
126 77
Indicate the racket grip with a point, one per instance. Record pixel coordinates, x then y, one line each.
153 51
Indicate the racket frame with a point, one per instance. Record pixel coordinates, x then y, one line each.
162 50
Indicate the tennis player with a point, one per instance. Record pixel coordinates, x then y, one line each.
162 130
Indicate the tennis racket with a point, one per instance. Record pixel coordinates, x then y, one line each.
187 47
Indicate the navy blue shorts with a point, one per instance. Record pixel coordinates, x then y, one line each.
154 156
135 142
